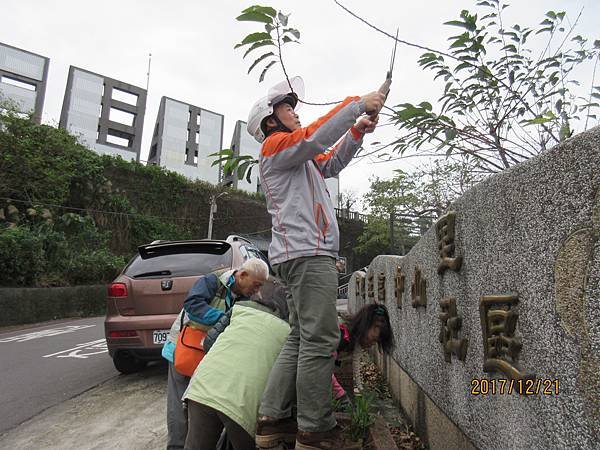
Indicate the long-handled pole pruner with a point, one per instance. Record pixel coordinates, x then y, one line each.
385 87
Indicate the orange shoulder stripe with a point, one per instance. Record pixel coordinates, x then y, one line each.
281 141
322 157
327 156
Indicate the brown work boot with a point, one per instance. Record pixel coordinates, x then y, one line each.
273 432
333 439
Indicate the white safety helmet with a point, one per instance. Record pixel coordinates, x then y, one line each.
265 106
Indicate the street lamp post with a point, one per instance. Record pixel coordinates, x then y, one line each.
213 210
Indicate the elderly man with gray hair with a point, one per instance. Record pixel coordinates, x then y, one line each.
210 297
226 388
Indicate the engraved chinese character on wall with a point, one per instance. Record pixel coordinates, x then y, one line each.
501 346
381 288
451 324
370 287
445 231
399 286
418 289
363 287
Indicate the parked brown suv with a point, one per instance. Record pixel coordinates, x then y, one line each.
145 299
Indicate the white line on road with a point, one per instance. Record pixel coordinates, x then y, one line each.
45 333
93 348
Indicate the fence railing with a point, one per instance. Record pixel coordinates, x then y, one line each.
342 213
343 286
343 291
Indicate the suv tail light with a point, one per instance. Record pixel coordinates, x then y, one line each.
117 290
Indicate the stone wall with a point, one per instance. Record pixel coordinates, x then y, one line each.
516 298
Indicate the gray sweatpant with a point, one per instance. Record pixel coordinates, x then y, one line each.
302 372
176 416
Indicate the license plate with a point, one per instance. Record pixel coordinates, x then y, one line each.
160 336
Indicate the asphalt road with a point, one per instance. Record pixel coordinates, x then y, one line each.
43 366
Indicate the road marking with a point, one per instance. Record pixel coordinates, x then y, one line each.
45 333
92 348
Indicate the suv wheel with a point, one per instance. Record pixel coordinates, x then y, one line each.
126 363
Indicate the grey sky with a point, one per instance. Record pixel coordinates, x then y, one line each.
193 59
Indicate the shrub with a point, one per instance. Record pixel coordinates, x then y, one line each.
21 256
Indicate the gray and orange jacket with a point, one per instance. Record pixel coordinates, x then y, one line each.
293 167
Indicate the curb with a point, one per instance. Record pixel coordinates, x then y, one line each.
379 436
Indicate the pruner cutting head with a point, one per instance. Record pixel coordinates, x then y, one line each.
385 87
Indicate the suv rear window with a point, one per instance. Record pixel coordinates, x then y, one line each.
182 260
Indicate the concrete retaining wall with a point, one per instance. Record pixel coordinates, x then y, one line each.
30 305
529 239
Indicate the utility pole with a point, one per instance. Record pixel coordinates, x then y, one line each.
213 210
148 74
392 243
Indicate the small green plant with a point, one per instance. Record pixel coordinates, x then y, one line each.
240 165
360 416
339 405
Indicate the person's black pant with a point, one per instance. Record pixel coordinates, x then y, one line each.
205 425
176 416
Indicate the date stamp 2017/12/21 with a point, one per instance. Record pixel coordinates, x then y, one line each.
503 386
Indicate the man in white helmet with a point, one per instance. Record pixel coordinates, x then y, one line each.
294 162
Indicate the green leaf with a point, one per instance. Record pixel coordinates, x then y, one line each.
287 39
249 174
460 40
241 170
468 23
462 66
543 30
427 57
261 9
283 19
455 23
257 45
565 132
546 117
450 134
292 31
231 164
254 17
264 72
254 37
221 156
261 58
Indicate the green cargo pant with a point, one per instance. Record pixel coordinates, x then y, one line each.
302 372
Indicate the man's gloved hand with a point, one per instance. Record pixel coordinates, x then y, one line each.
366 124
373 102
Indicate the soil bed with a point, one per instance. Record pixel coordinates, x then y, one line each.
383 405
